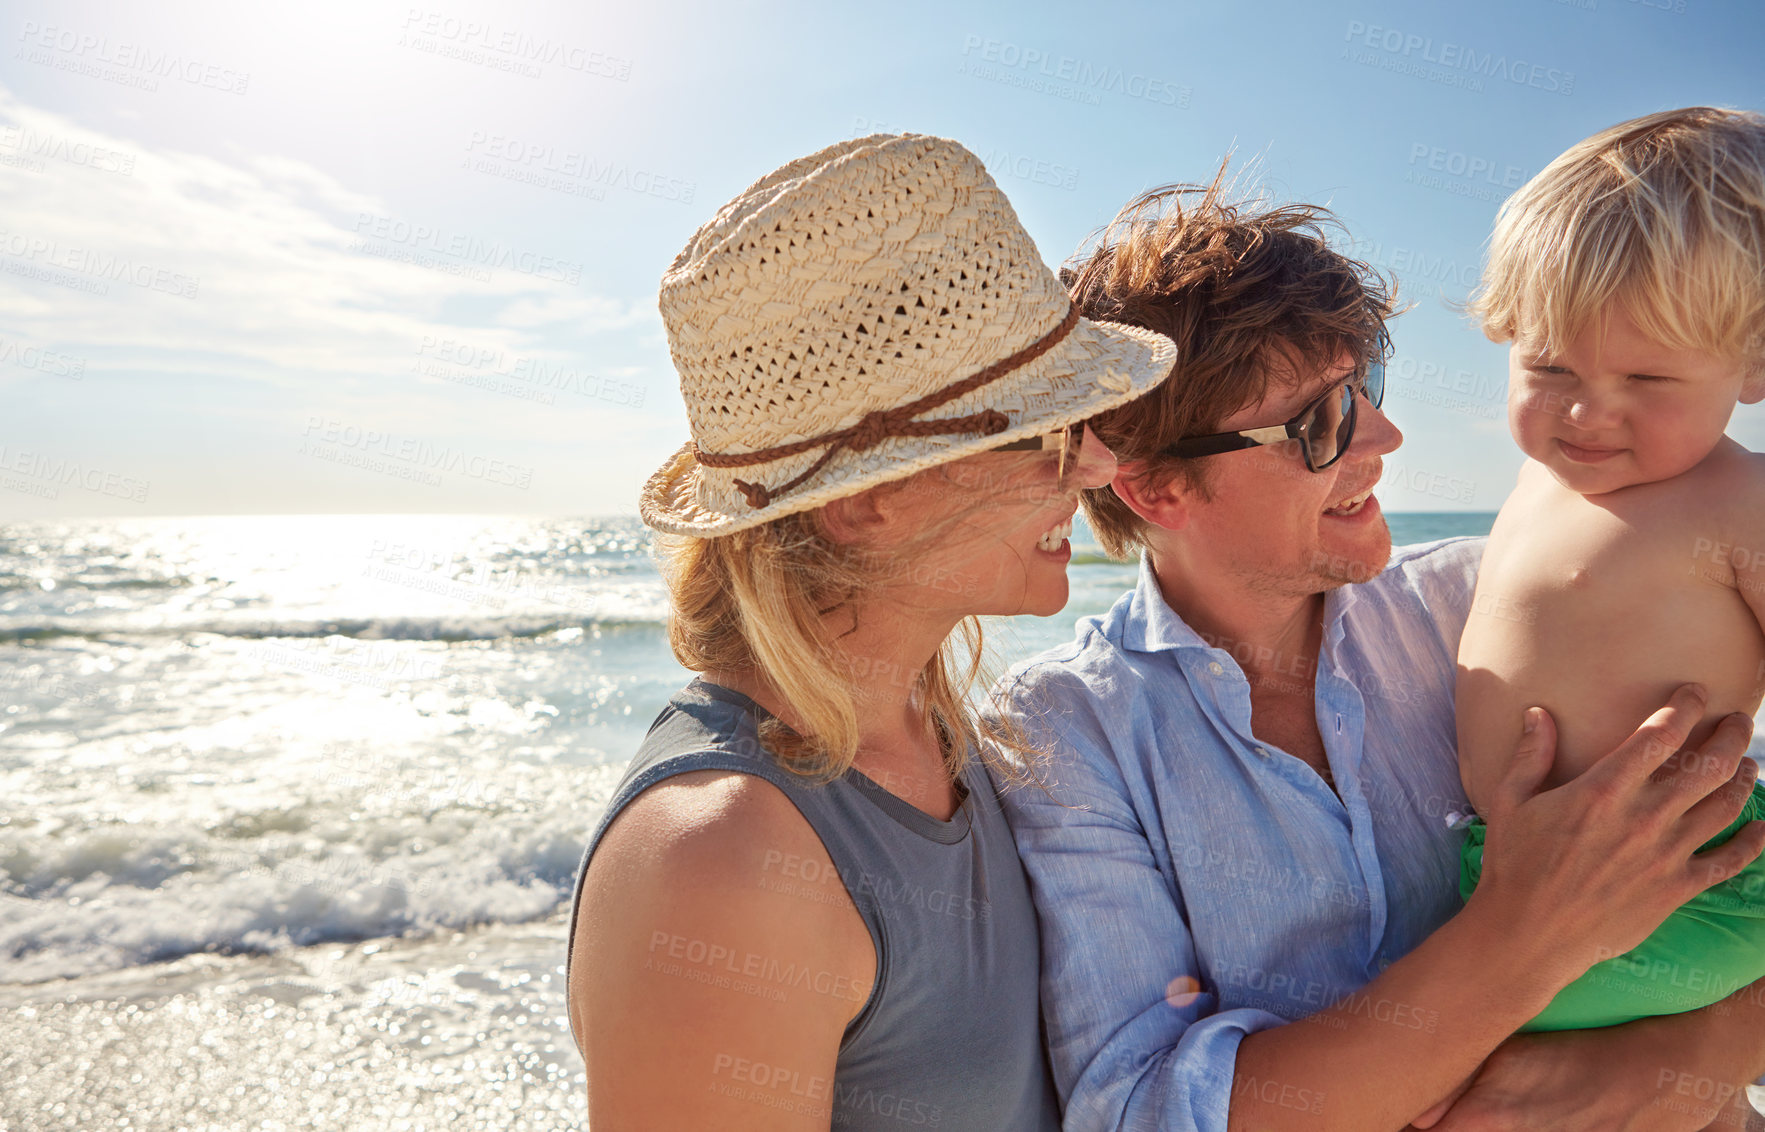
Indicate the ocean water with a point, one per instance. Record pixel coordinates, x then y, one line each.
295 803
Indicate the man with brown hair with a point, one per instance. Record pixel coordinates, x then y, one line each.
1253 786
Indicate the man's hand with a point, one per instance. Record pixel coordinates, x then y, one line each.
1597 864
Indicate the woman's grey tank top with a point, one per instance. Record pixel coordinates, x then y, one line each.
951 1036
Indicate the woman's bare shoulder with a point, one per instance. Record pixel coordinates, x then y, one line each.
704 818
715 862
719 836
690 950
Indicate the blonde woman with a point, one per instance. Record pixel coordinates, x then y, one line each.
802 908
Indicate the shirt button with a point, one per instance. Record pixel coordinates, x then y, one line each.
1263 751
1216 668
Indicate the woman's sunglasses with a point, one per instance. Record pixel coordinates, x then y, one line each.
1323 428
1066 441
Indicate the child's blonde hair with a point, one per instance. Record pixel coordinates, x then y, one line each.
1664 213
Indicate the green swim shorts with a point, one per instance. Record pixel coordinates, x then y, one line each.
1710 947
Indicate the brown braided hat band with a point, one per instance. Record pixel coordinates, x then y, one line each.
880 424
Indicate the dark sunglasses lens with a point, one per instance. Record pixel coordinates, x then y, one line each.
1376 382
1345 430
1328 429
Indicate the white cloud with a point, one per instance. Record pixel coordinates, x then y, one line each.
294 274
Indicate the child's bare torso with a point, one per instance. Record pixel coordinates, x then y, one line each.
1597 607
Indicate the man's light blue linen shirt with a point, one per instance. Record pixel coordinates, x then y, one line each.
1194 884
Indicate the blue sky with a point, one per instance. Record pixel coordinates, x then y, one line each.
381 257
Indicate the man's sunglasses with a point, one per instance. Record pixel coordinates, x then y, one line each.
1323 428
1066 441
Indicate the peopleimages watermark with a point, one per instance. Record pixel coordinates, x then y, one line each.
1454 388
568 171
1702 1096
1462 174
1035 170
1727 563
890 894
1062 76
1412 263
42 475
407 457
1425 481
127 64
1346 569
503 48
437 570
1663 976
999 162
40 146
1445 62
372 664
1304 999
1502 607
765 976
1278 1093
530 379
49 260
778 1087
1250 879
40 358
36 679
418 240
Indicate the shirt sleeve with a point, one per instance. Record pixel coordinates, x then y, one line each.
1136 1040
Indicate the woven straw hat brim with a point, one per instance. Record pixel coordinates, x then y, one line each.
1097 367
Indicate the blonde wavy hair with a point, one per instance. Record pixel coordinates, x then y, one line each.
770 598
1664 213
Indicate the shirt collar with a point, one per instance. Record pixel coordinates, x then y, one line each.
1152 625
1337 603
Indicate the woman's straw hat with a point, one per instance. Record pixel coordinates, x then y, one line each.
860 314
